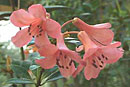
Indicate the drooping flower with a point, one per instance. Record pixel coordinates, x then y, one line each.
100 34
59 55
97 57
38 21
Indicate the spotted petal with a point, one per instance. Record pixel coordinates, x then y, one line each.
90 71
21 38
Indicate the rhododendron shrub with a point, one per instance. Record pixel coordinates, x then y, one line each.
96 42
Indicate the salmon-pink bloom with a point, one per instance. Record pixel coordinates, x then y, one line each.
100 34
97 57
38 21
59 55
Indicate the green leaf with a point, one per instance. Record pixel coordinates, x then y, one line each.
19 81
31 42
20 68
56 7
33 67
54 76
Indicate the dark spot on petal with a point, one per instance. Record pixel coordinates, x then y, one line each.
101 66
62 67
99 58
29 29
103 56
40 34
94 61
106 58
29 33
67 67
70 62
94 65
102 62
60 53
57 59
40 30
33 36
37 35
65 56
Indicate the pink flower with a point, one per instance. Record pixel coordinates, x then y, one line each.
59 55
38 21
100 34
97 57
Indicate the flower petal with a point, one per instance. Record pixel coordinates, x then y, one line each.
37 11
90 71
115 44
42 40
112 54
53 28
77 71
21 38
67 72
47 50
89 46
80 48
103 25
61 43
100 34
84 38
21 18
47 63
73 55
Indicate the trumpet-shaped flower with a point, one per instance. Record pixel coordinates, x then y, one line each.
99 33
38 21
97 57
59 55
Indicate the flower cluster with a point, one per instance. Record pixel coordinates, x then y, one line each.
96 42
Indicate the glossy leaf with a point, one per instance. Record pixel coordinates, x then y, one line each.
19 81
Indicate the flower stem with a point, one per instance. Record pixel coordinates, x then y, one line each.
71 32
66 23
39 78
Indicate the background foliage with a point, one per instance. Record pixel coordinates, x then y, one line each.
117 12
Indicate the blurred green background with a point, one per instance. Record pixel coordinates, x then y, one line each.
117 12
